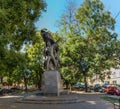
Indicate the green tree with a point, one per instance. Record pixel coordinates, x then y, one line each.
67 26
17 29
97 26
91 49
35 55
117 54
15 66
67 23
17 20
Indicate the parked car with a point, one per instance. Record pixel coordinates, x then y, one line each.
103 88
1 92
13 89
78 85
4 91
117 91
96 87
82 85
111 89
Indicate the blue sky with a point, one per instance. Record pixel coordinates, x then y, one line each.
56 7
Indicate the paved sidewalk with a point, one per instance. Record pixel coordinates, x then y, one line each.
91 101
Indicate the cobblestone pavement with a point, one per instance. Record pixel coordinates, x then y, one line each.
90 101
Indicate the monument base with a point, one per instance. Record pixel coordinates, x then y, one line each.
51 83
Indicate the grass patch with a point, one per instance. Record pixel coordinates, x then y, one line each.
110 99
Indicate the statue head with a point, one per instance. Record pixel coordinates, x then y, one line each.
46 36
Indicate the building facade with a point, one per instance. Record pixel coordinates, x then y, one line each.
115 76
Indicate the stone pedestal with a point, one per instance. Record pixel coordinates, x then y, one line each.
51 83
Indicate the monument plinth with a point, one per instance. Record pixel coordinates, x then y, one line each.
51 83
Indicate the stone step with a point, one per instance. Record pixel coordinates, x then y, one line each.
50 100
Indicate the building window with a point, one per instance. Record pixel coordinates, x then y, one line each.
114 82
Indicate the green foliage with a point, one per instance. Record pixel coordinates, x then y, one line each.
117 54
67 23
92 45
97 26
35 55
69 58
17 30
18 17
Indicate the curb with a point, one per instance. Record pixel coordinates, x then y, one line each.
49 100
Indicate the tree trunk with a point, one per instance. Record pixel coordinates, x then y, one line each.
66 84
70 88
1 80
39 84
25 81
85 81
39 79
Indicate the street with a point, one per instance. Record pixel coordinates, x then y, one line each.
90 101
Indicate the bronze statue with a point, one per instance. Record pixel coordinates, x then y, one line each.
51 56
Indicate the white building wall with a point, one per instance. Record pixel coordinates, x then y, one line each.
115 76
